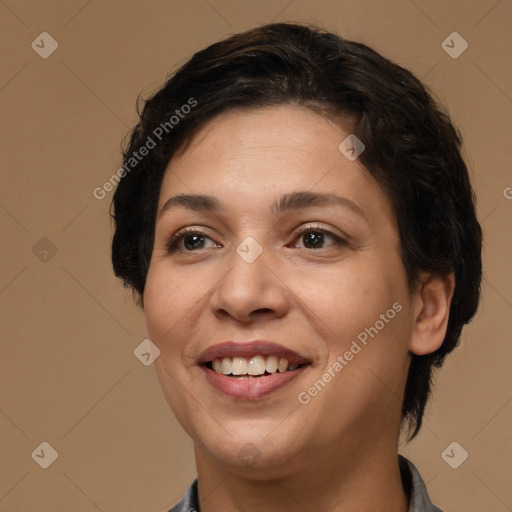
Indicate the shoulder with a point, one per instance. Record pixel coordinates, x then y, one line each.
189 502
419 500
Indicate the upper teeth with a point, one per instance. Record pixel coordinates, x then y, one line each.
256 365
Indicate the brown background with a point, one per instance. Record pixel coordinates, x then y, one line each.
68 373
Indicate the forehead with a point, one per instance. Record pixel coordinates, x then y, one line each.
295 130
251 157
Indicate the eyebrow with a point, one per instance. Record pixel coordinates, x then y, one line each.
288 202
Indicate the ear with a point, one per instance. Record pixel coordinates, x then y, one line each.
433 298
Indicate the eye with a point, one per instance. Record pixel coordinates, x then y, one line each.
188 239
314 237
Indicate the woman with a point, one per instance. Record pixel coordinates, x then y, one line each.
298 223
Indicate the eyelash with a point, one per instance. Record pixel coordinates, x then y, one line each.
179 235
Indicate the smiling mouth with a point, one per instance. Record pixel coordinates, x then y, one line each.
254 367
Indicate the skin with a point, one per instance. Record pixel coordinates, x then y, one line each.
338 452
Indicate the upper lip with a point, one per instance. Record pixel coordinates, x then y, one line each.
249 349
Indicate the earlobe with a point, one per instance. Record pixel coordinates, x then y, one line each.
433 300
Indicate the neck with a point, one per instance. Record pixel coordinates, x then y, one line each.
359 479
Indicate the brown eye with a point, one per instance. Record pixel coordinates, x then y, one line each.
191 242
315 238
188 240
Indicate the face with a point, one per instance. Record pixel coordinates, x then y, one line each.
295 245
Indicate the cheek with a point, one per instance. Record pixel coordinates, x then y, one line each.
165 303
350 296
364 305
174 298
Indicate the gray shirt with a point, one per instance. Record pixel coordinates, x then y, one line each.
419 500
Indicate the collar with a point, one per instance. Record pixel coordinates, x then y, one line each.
419 500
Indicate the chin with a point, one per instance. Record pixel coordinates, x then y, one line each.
250 451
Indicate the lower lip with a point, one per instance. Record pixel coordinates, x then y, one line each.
250 388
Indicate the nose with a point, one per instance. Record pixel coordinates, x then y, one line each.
249 291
